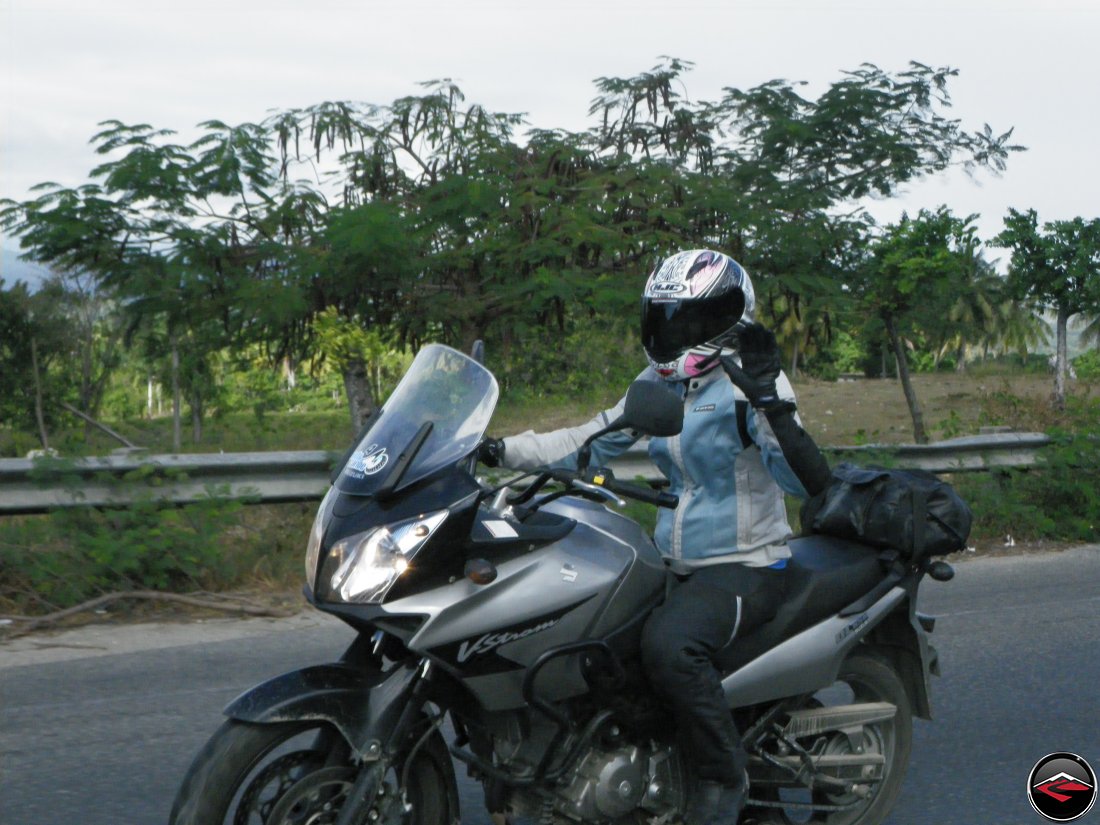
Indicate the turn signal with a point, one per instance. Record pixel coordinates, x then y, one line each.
941 571
480 571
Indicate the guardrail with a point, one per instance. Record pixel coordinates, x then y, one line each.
41 485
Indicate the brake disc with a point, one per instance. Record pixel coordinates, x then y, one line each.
271 783
841 745
315 799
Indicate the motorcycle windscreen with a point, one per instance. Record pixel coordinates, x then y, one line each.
444 388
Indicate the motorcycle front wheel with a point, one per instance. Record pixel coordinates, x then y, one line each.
298 772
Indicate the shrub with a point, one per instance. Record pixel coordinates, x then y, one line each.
596 356
1060 497
1087 365
76 554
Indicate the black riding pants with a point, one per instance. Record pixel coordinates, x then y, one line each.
702 615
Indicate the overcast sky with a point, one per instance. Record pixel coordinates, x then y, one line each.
66 65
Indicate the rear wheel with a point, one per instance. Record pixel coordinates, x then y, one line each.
296 773
864 677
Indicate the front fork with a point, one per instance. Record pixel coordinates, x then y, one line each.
379 755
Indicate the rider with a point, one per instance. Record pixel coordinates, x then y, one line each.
741 448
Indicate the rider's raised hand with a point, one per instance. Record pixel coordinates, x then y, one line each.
759 368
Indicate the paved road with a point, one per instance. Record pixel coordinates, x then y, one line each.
98 726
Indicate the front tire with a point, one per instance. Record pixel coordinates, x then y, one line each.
295 772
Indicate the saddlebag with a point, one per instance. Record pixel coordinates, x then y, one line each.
910 511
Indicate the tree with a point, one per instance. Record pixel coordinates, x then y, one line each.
788 170
34 336
915 271
95 331
368 362
15 354
1058 268
428 217
985 317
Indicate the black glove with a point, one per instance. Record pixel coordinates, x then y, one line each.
490 452
759 366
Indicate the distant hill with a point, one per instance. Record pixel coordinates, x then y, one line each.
12 269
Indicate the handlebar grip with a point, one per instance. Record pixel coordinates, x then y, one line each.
643 494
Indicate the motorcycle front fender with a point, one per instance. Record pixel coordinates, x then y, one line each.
363 704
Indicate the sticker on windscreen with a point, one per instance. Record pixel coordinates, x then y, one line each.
367 462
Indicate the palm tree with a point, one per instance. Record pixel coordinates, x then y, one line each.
984 318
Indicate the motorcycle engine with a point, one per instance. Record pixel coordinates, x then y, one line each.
613 778
611 784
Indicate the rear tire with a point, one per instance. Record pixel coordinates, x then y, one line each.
869 678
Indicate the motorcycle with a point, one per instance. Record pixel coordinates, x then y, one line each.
499 627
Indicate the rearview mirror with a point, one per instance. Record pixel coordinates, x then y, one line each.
654 408
650 407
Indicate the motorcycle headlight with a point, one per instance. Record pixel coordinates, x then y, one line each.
371 562
316 534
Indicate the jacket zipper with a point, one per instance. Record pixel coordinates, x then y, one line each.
676 451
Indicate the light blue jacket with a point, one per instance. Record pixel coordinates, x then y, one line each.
731 492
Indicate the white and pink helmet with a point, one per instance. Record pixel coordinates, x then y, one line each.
693 305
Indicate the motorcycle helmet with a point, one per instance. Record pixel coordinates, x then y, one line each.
693 305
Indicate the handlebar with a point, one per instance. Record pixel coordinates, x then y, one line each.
592 483
604 479
646 495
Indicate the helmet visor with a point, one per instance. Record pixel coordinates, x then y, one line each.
671 327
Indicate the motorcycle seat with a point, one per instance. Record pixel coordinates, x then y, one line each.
823 575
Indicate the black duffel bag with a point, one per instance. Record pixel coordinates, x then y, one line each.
911 511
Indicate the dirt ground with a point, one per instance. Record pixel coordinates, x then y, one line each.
861 411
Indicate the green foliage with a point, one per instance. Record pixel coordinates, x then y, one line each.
1059 498
916 271
438 222
1010 363
1087 365
345 340
55 561
1057 267
76 554
32 327
951 427
849 353
596 357
925 361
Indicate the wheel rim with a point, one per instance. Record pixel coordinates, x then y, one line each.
878 737
304 777
272 783
315 799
